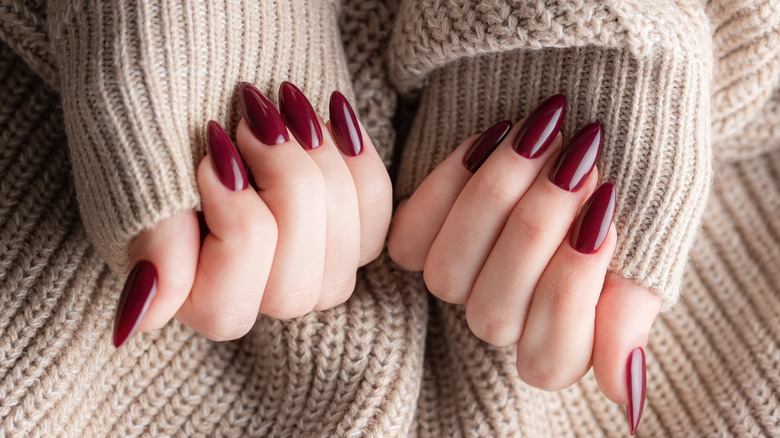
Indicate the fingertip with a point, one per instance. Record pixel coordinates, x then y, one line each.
172 248
624 315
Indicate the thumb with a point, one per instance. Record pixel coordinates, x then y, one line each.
624 314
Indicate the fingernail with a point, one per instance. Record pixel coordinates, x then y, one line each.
578 158
227 161
485 144
593 224
261 115
541 127
299 116
140 288
635 380
346 131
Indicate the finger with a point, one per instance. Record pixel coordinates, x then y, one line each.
624 315
164 261
342 239
555 349
293 188
236 255
418 221
369 176
478 215
502 292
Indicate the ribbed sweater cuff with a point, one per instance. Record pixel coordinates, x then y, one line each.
657 150
140 79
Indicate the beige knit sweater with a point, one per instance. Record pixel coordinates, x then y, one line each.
102 112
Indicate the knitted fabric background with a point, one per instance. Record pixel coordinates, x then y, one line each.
99 135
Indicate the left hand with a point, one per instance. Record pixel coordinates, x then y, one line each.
504 240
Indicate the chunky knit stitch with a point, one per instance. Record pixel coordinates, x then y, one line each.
101 121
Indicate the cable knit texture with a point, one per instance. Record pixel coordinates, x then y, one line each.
102 112
643 73
140 79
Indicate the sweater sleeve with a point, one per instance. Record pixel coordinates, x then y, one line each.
642 69
139 79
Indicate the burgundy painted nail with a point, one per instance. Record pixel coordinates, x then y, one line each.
635 380
485 144
261 115
140 288
346 131
578 158
224 155
592 226
299 116
541 127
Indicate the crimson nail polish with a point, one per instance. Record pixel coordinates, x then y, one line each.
299 115
592 226
227 162
541 127
485 144
261 115
636 383
138 292
578 158
346 130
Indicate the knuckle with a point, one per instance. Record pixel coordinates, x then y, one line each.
254 229
445 284
402 252
540 373
337 292
496 191
528 230
496 328
565 293
294 306
227 328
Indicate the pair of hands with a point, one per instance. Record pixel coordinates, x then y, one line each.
502 226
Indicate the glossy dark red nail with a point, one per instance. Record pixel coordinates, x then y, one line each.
485 144
345 127
140 288
541 127
592 226
261 115
227 162
578 158
635 381
299 116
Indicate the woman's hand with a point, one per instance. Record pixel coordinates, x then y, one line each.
321 211
524 240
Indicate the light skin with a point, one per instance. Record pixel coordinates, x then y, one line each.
289 248
497 240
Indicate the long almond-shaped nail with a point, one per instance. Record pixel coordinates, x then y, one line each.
299 116
227 162
592 226
138 292
636 381
578 158
345 127
541 127
261 115
485 144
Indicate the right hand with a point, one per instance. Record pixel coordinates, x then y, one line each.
322 210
